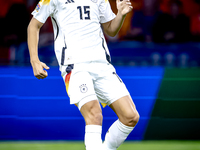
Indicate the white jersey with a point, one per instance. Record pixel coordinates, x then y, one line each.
77 29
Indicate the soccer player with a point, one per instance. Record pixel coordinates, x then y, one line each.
85 64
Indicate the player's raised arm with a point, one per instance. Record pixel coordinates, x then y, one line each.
112 27
33 38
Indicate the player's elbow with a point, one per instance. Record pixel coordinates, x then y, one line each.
111 33
109 30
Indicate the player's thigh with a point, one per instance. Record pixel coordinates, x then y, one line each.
126 110
92 113
81 92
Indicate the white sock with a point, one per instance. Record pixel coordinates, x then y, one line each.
93 139
116 135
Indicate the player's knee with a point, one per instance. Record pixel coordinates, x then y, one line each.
135 118
95 118
92 113
132 119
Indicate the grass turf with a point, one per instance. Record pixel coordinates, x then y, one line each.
143 145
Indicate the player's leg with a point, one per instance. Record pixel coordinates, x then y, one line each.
120 129
79 85
92 114
91 111
126 111
110 89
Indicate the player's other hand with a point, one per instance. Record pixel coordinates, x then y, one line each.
124 6
38 69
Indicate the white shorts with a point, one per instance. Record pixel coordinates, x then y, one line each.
93 81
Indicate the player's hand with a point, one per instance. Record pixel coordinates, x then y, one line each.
38 69
124 6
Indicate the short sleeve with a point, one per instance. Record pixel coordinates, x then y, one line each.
106 13
43 10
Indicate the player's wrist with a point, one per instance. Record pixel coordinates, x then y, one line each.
121 15
34 60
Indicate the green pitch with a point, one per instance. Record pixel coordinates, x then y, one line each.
143 145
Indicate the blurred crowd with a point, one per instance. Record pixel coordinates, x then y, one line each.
15 16
161 21
152 21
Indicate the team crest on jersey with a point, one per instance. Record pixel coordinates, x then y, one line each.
83 88
94 1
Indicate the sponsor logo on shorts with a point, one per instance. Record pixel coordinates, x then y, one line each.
83 88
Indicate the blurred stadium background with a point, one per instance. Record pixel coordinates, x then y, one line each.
156 53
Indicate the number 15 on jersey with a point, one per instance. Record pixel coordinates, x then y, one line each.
84 12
